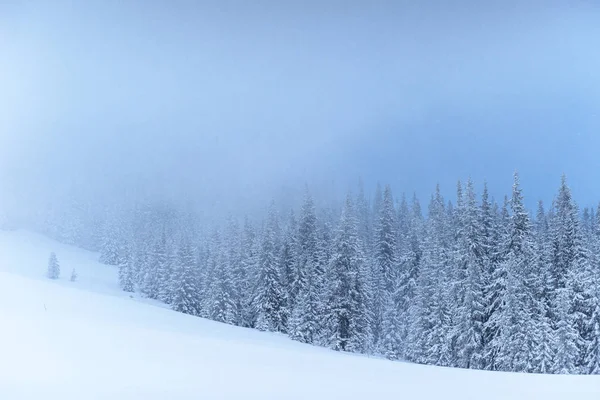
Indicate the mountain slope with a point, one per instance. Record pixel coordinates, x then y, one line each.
86 339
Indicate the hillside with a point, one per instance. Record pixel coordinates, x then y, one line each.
88 340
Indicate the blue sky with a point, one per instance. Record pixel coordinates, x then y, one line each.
231 100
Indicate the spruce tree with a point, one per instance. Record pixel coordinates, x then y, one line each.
386 260
221 304
305 324
185 292
287 266
592 361
163 257
543 335
125 264
53 267
572 291
431 319
470 260
109 251
269 297
346 301
513 316
151 280
244 273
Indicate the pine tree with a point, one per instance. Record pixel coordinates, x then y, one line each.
387 278
572 294
233 254
221 304
185 294
430 317
73 275
496 286
513 315
411 251
346 301
53 267
269 298
489 225
543 335
109 251
287 266
151 280
470 262
162 266
125 265
305 324
244 274
592 361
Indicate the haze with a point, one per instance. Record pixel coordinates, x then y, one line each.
230 104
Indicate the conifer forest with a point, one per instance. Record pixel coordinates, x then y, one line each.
470 282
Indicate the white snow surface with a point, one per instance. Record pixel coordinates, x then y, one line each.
88 340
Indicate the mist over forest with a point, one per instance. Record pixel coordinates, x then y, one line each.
225 107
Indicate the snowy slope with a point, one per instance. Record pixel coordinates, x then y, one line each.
87 340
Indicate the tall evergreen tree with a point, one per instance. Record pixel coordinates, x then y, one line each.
471 263
126 281
185 292
221 304
514 346
386 258
109 251
305 323
346 313
269 298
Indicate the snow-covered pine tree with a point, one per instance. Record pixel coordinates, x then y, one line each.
269 295
53 271
151 282
430 315
570 267
162 259
470 258
543 335
185 293
345 311
236 266
109 251
287 266
488 223
365 220
592 361
73 275
222 305
305 322
125 264
387 279
496 285
245 275
410 252
513 316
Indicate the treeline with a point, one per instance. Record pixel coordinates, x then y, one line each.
473 284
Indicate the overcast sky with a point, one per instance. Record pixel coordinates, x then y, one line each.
238 99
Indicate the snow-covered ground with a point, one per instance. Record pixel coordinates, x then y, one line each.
88 340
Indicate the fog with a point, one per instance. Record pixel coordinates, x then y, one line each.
230 104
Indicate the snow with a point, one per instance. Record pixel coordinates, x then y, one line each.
88 340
